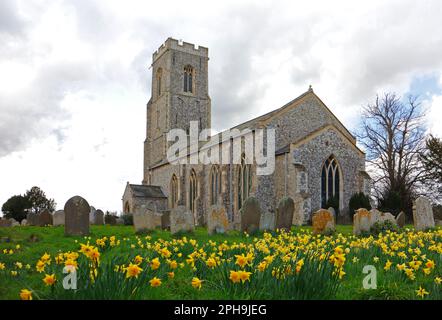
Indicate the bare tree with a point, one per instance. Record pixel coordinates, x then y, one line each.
393 135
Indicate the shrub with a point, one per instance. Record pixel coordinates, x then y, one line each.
128 219
358 201
391 202
382 227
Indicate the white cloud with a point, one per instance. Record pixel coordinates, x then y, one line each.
74 77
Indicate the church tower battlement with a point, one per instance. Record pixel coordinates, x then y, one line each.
179 94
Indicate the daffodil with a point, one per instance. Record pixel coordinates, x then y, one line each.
25 294
133 270
196 283
155 282
49 280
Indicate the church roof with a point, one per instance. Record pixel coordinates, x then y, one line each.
146 191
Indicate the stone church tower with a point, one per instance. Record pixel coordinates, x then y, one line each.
179 95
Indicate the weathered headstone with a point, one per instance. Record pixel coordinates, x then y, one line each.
99 218
400 219
217 220
267 221
146 219
92 215
14 223
332 211
24 222
323 222
76 216
110 219
45 218
33 219
284 213
181 220
165 220
59 218
361 221
423 214
250 215
119 221
5 223
381 217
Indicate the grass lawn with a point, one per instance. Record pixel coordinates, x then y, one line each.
26 245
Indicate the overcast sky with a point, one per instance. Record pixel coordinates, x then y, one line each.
74 77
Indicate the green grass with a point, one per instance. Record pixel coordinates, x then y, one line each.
391 285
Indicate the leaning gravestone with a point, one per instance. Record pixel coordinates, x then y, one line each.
59 218
423 214
217 220
361 221
45 218
77 217
165 220
400 219
99 218
181 220
250 215
24 222
32 219
284 213
323 222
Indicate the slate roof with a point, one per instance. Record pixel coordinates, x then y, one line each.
146 191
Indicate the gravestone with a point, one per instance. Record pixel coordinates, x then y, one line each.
250 215
92 215
423 214
32 219
332 211
217 220
400 219
14 223
181 220
361 221
76 217
146 219
165 220
381 217
99 218
45 218
284 213
119 221
58 218
24 223
323 222
5 223
110 219
267 221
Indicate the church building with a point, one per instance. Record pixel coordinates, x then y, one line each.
316 157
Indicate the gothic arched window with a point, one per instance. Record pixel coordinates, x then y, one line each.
330 181
188 79
173 191
192 192
215 183
159 79
244 181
